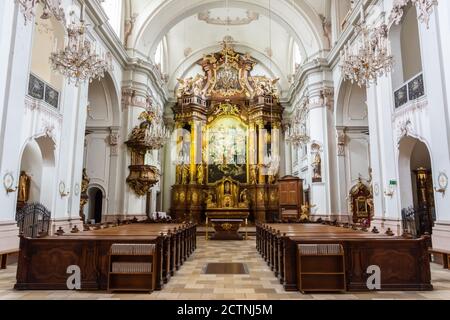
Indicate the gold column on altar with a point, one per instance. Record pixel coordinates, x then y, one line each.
275 151
261 153
193 153
252 153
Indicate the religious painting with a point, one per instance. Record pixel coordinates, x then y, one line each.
227 150
51 96
36 88
361 205
416 88
227 80
401 96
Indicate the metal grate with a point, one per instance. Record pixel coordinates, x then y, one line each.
33 220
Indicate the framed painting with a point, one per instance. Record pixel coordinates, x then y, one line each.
52 96
401 96
36 88
416 88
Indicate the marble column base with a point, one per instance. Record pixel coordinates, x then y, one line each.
441 235
9 236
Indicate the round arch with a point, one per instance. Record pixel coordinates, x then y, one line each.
415 157
160 21
97 203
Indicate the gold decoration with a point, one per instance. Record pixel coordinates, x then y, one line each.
201 174
24 187
142 178
227 226
306 211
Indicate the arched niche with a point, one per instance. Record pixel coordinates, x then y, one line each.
416 181
48 34
96 204
104 107
351 108
405 44
38 162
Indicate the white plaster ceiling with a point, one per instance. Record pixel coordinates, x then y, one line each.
269 38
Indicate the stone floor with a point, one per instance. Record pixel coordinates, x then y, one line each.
191 284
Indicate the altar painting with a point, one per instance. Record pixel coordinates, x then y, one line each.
227 150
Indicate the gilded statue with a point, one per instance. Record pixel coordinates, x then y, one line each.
210 201
244 202
84 182
179 174
201 174
185 174
317 167
306 211
253 174
24 187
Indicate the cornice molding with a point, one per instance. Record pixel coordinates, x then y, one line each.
114 44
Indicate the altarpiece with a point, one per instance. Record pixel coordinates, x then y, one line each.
228 126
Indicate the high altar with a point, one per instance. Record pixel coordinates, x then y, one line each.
228 135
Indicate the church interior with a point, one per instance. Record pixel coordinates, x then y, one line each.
224 149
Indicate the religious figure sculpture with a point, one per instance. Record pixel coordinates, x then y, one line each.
185 174
201 174
179 174
253 174
24 187
210 201
244 202
85 182
306 211
317 168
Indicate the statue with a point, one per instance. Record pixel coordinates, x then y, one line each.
84 182
198 85
210 201
306 211
185 174
317 168
253 174
201 174
24 187
179 174
243 199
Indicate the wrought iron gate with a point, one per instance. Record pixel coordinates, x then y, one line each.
33 220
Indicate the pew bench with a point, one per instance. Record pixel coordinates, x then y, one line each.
4 257
444 256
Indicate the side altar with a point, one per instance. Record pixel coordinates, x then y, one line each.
226 153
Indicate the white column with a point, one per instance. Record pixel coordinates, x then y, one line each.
320 191
435 50
15 41
342 188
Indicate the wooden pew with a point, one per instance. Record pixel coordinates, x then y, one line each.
277 243
444 256
43 262
4 257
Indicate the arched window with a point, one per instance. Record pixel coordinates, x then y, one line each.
113 9
407 80
296 57
159 57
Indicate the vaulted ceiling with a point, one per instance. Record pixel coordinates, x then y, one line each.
267 29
